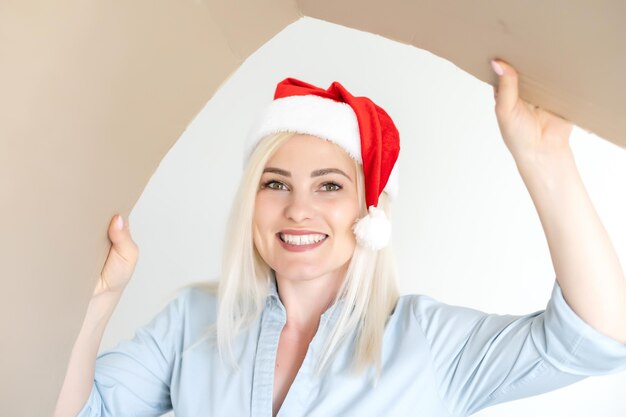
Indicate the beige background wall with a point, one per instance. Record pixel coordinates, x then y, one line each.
466 230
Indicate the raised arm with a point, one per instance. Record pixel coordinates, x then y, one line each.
117 270
586 265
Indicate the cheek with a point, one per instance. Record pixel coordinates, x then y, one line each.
344 214
261 221
262 210
262 242
268 209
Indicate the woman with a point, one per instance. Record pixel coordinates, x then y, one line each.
309 321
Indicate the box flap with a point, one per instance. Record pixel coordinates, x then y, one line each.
570 55
93 96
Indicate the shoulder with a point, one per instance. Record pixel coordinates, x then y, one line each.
423 307
198 302
198 296
190 313
438 320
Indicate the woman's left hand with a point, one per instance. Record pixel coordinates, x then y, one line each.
528 131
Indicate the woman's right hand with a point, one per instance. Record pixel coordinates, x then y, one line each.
116 273
120 262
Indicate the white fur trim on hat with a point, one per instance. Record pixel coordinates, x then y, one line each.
317 116
312 115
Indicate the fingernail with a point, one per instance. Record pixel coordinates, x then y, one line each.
497 68
119 222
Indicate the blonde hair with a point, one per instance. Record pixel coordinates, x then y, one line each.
368 291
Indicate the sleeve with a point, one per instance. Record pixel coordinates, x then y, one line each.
484 359
133 379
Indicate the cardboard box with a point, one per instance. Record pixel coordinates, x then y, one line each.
81 84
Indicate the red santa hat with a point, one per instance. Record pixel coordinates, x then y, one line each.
363 129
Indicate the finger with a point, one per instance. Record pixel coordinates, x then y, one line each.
507 92
120 237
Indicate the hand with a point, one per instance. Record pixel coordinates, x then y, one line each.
120 262
528 131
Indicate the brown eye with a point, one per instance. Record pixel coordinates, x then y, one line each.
274 185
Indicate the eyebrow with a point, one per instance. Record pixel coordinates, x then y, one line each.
316 173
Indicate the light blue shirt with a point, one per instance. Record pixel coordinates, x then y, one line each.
437 360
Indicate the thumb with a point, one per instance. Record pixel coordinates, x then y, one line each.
507 90
120 237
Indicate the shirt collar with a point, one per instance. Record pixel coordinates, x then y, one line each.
330 314
272 289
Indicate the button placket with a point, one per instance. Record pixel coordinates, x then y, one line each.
272 323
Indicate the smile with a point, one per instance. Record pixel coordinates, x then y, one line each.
302 240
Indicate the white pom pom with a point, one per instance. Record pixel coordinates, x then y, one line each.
374 230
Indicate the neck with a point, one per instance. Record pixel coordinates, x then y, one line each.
305 301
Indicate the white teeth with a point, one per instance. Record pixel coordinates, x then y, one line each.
302 239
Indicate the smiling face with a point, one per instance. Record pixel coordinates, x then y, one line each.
305 207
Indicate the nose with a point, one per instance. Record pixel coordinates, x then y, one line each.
299 207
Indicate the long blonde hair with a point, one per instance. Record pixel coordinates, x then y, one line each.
368 292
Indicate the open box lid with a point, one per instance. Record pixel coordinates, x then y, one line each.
81 84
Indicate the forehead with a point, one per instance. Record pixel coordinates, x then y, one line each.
311 151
